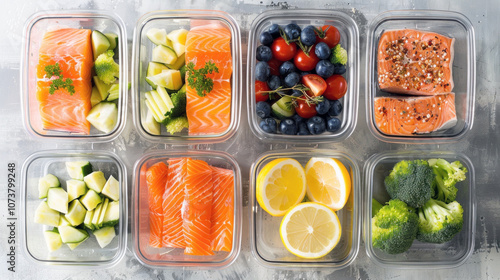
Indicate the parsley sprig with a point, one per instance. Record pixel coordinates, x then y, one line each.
197 78
60 82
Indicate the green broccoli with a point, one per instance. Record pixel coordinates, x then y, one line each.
447 175
376 206
411 182
439 222
177 124
394 227
339 55
106 68
179 101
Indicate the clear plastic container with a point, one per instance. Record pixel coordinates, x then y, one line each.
266 243
89 253
451 24
34 30
349 39
420 255
142 55
175 257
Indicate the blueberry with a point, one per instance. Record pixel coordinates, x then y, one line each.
298 119
263 109
322 50
302 74
266 38
335 108
269 125
324 68
288 126
262 71
274 30
339 69
297 93
292 79
286 68
323 106
332 124
292 31
302 129
316 125
308 36
264 53
274 82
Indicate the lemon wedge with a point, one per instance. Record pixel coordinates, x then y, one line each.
310 230
281 184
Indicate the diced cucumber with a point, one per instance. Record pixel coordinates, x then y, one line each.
53 240
159 101
76 188
164 54
179 48
150 82
165 97
72 246
57 199
78 169
150 124
76 213
169 79
155 68
104 116
100 43
103 212
283 108
64 221
101 87
45 183
181 60
153 108
178 36
87 222
91 199
95 98
112 188
95 217
112 215
95 181
113 40
104 236
70 234
46 216
113 92
158 36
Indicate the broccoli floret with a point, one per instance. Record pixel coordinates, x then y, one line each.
376 206
439 222
394 227
339 55
177 124
106 68
179 101
447 175
411 181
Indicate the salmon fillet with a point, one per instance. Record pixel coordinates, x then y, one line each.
222 209
415 115
156 178
173 235
415 62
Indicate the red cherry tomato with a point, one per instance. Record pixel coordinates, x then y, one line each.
259 88
283 51
315 83
331 36
274 64
305 110
336 87
306 62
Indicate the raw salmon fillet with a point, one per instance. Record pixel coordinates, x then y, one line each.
72 50
415 115
222 209
415 62
173 235
210 114
156 178
197 208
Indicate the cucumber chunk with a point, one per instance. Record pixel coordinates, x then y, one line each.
112 188
76 213
72 246
95 217
64 221
95 181
46 216
178 38
104 236
78 169
150 124
70 234
45 183
87 222
113 92
53 240
76 188
101 215
165 97
101 87
112 215
91 199
283 108
100 43
181 61
153 108
57 199
164 54
155 68
95 98
104 116
169 79
158 36
113 40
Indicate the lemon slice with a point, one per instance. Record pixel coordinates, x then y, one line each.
328 182
310 230
281 184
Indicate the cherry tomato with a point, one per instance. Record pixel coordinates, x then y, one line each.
331 36
259 88
283 51
336 87
275 64
306 62
315 83
305 110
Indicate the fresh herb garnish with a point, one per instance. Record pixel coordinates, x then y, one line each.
300 87
197 78
55 70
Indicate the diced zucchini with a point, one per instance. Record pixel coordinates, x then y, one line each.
45 183
112 215
53 240
46 216
78 169
150 124
158 36
72 246
104 236
70 234
87 222
76 213
150 82
114 92
64 221
113 40
103 212
178 36
76 188
112 188
95 217
95 98
169 79
181 60
164 54
57 199
100 43
179 48
91 199
101 87
104 116
159 117
155 68
95 181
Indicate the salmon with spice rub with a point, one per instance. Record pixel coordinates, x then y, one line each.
415 62
415 115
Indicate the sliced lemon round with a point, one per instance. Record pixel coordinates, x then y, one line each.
310 230
328 182
281 184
